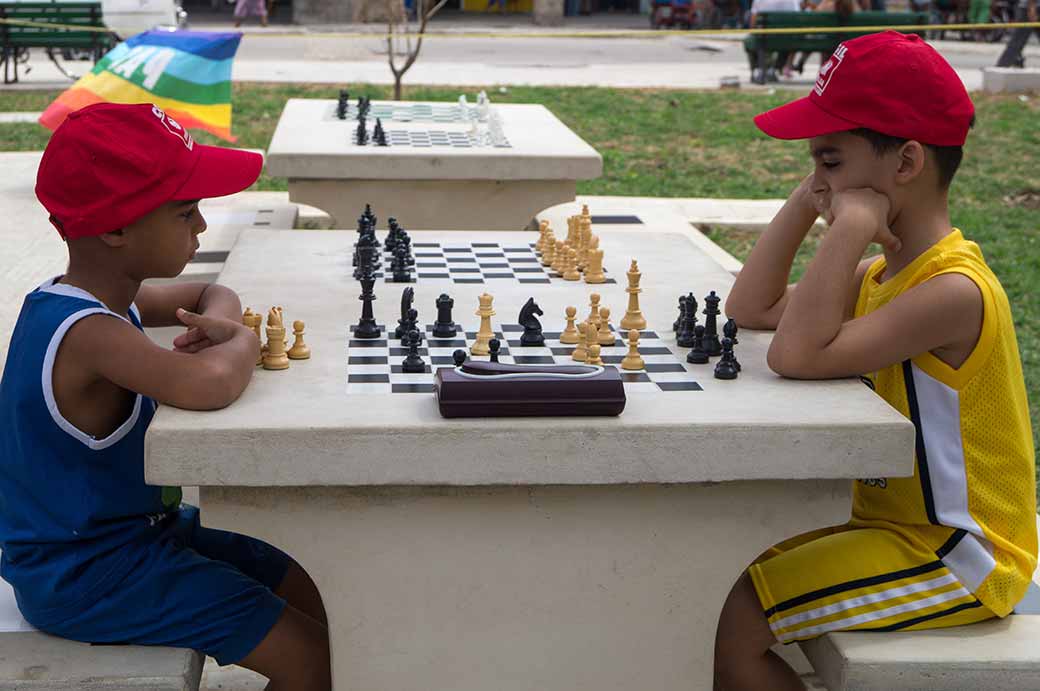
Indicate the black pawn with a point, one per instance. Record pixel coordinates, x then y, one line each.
343 104
729 330
413 363
697 356
493 346
711 330
682 312
726 368
459 357
399 266
444 327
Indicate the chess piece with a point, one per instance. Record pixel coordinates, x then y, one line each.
594 358
528 319
633 360
688 322
391 237
413 363
366 327
411 323
275 357
726 368
572 229
605 337
711 334
361 134
370 222
729 330
543 231
379 135
444 327
407 296
633 318
682 309
560 257
399 266
570 334
571 273
593 306
493 347
594 267
581 353
459 357
254 321
484 333
342 104
549 249
697 356
299 350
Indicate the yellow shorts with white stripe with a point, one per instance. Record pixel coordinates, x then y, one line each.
847 578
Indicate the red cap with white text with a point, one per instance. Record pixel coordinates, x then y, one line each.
889 82
109 164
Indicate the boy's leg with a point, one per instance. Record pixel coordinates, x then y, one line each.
257 559
743 659
293 655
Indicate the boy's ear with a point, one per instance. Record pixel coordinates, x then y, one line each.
114 238
911 162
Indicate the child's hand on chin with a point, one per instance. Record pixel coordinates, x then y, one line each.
864 208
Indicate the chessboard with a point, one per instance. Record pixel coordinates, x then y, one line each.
374 365
421 139
478 262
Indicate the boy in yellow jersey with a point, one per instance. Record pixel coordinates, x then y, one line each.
929 327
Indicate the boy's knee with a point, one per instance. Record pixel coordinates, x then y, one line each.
743 628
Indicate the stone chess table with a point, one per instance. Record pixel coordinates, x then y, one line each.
436 173
554 553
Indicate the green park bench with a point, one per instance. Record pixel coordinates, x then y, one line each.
760 46
17 39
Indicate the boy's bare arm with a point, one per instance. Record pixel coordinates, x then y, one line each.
159 304
760 293
212 378
815 341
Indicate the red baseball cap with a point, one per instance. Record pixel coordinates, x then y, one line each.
110 163
889 82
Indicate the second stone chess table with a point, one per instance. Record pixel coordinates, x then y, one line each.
441 182
518 553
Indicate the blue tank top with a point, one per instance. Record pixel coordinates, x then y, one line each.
70 504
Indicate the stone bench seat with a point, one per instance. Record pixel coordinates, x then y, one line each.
31 660
997 655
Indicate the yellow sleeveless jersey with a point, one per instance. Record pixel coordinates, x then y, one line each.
972 498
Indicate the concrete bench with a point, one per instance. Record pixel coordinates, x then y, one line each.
999 655
31 660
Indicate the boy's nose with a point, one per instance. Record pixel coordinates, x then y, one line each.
201 228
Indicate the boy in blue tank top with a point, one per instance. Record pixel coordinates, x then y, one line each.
93 553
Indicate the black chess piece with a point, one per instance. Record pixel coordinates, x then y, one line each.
366 326
392 237
361 134
399 267
528 319
711 330
343 104
413 363
405 241
444 327
370 218
365 242
697 356
729 330
688 324
380 134
682 311
407 297
726 367
459 357
412 323
493 347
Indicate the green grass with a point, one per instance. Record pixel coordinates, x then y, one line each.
703 144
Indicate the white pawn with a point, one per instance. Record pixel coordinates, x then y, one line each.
633 360
570 334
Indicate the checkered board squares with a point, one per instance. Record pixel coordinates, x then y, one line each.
424 139
374 365
477 262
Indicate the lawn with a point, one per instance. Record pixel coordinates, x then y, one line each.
703 144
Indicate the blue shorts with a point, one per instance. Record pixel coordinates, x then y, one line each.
192 587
